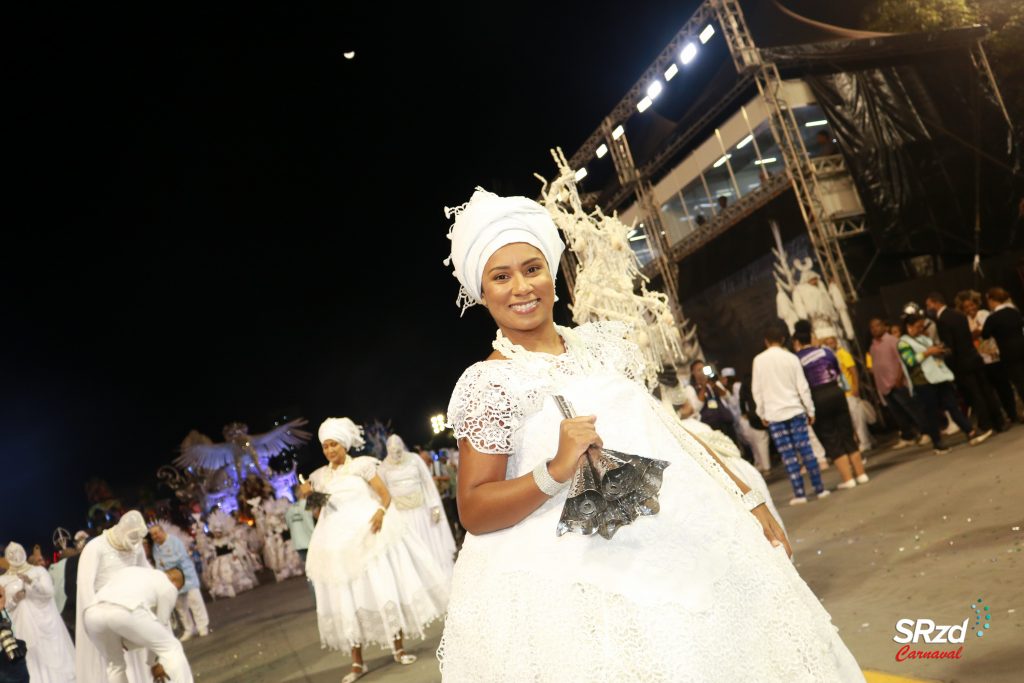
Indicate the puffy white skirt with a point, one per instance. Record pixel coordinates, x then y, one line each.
437 538
371 587
694 594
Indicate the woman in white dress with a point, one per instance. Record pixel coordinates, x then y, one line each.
374 583
703 591
279 553
230 571
417 501
51 654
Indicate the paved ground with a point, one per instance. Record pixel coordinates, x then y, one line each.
928 537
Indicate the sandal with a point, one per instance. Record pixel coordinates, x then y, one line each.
353 675
402 658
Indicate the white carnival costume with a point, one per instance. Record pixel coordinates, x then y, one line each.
417 501
694 593
279 554
51 654
118 547
230 571
369 586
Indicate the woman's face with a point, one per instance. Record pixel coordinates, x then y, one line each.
518 288
915 329
334 452
969 307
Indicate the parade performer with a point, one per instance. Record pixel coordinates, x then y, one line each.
279 554
374 582
230 570
703 590
117 548
170 551
417 501
51 655
131 615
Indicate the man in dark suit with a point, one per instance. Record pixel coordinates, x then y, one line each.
968 367
1005 325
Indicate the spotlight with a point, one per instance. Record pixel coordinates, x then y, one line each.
581 174
644 104
744 142
688 53
602 150
671 71
706 34
617 133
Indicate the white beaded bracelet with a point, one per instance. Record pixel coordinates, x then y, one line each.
545 482
752 499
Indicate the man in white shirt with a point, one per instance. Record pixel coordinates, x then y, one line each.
132 611
784 403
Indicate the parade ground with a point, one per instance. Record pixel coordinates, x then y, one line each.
929 537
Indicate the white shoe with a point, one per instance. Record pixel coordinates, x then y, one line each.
798 501
925 440
824 494
203 632
901 444
403 658
849 484
981 438
187 635
951 429
863 479
353 676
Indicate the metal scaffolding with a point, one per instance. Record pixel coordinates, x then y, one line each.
802 173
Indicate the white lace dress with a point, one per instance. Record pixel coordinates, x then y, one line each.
51 654
368 586
415 498
692 594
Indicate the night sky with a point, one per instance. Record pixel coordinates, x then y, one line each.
221 218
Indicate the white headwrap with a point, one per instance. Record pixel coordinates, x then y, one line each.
396 449
16 558
128 533
343 430
807 275
487 223
825 331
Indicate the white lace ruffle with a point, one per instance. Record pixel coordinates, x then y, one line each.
483 410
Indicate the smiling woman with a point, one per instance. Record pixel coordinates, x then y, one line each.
700 590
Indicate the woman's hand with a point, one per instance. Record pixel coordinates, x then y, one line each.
772 530
376 521
435 514
575 437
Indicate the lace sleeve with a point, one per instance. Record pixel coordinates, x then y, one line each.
484 410
365 466
610 341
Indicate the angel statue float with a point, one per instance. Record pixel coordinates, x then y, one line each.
224 465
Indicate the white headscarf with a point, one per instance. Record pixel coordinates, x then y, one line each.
128 533
807 275
396 449
825 331
343 430
16 558
487 223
